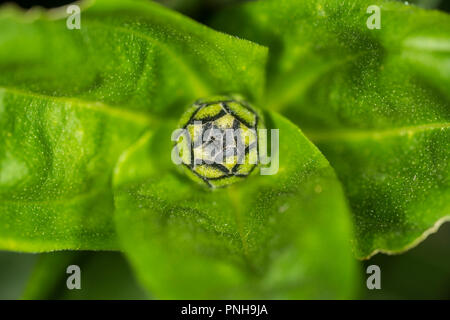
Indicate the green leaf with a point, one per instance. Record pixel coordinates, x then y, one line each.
376 102
71 101
274 236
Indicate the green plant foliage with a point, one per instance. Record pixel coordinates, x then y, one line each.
375 101
421 273
214 117
72 100
275 236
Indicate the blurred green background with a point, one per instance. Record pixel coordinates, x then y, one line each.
421 273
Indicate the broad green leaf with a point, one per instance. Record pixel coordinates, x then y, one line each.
428 4
274 236
375 101
421 273
49 273
71 101
104 275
